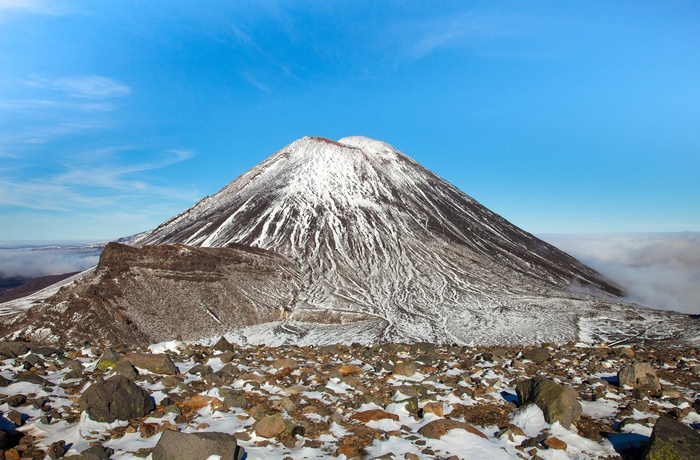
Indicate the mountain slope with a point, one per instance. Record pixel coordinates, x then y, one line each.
375 232
358 243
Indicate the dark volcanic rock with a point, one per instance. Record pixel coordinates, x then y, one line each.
153 362
174 445
672 440
126 369
117 398
559 403
93 453
537 355
56 450
13 349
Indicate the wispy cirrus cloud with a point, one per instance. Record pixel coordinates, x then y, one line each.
84 86
27 6
104 178
471 28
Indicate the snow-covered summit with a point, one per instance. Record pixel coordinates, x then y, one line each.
343 241
375 232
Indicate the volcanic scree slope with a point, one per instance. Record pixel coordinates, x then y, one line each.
356 233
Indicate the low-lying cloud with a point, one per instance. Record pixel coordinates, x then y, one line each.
658 270
31 261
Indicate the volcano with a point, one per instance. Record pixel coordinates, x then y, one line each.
352 240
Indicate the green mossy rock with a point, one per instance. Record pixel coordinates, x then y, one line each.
672 440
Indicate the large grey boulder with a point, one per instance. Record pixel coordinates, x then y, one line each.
117 398
672 440
174 445
639 375
559 403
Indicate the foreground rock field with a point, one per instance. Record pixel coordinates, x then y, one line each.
226 401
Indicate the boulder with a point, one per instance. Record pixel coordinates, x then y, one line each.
93 453
406 368
126 369
437 428
270 426
672 440
374 415
223 345
56 450
152 362
559 403
13 349
174 445
108 360
537 355
283 363
44 350
117 398
639 375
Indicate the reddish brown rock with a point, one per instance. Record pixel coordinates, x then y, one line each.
555 443
374 415
437 428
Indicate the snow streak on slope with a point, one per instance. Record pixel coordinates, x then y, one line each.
375 232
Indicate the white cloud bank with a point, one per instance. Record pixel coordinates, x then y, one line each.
658 270
33 260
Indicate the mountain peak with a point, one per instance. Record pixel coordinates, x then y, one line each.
350 240
376 233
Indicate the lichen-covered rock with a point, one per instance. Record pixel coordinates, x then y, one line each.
559 403
108 360
117 398
174 445
672 440
639 375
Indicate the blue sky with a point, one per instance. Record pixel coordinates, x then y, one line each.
560 116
